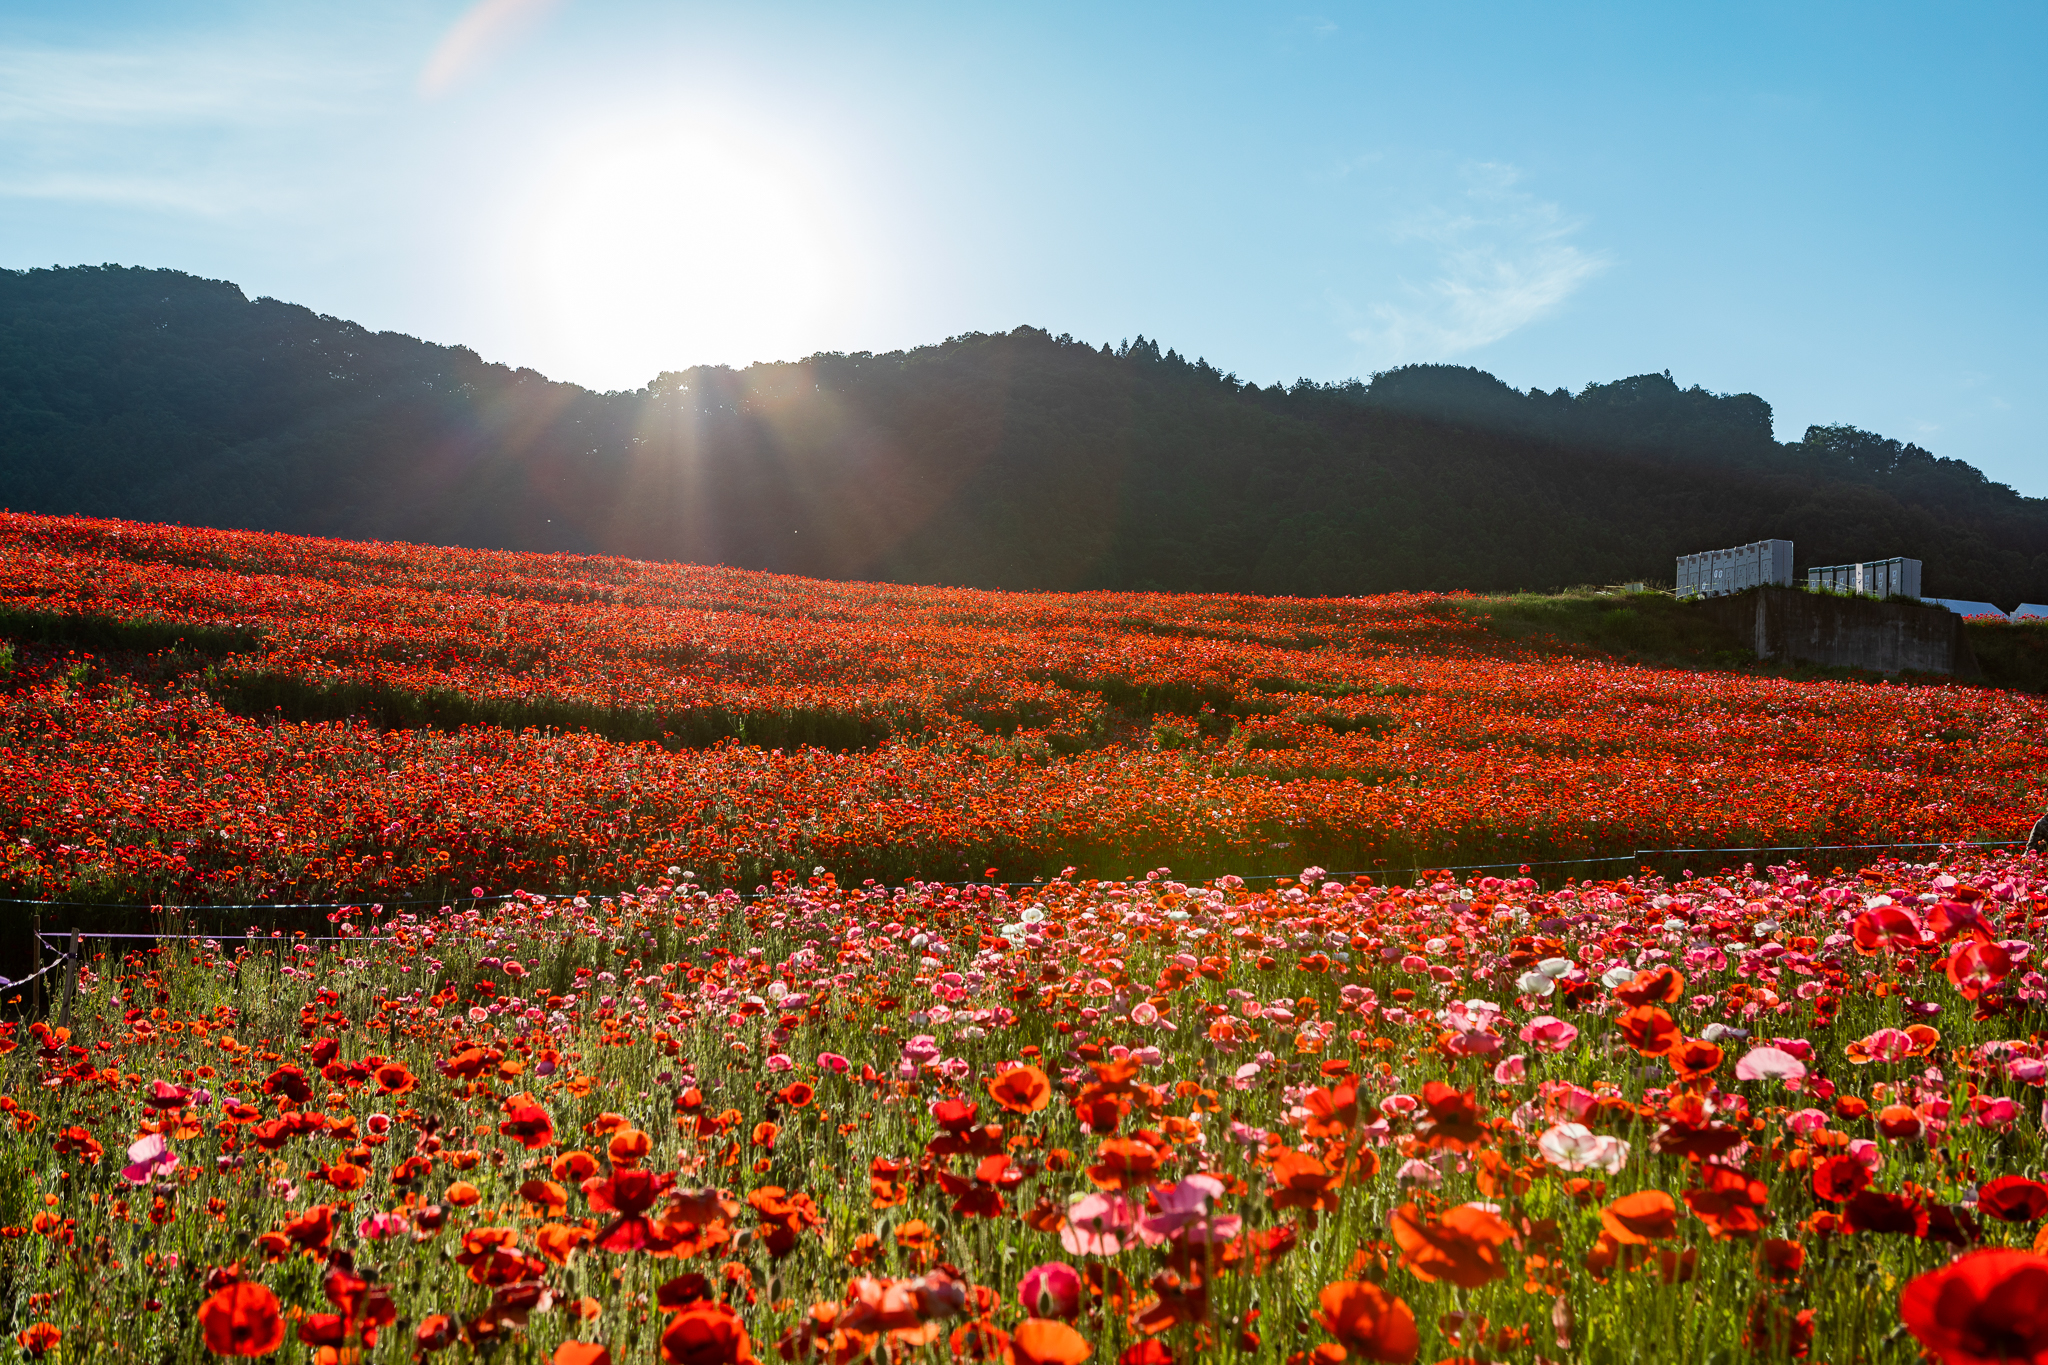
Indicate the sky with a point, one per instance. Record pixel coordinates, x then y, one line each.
1838 207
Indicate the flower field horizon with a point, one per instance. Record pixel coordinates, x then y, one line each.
195 716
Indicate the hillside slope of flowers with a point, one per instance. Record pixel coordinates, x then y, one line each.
204 715
1762 1115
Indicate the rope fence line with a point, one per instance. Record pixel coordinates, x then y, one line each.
62 958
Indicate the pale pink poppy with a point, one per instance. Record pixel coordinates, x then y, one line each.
1575 1147
149 1156
1184 1212
1769 1064
1098 1225
1548 1034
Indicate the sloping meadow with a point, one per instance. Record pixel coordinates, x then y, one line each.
216 716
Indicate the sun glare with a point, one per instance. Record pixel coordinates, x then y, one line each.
683 242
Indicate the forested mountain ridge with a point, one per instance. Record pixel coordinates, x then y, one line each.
1017 460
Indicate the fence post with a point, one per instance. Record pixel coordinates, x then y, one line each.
70 982
36 965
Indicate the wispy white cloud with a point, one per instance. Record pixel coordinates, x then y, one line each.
1499 258
88 88
167 128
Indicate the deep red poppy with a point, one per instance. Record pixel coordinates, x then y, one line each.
242 1320
1987 1308
2014 1198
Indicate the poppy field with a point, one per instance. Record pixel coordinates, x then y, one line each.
1760 1115
197 716
716 967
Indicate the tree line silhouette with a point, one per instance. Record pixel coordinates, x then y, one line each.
1010 460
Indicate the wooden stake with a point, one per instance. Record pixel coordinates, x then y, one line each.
70 982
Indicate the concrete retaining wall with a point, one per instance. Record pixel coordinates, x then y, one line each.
1846 632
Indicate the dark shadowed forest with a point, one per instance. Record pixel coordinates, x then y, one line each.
1016 460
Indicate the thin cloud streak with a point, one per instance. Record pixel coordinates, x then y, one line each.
107 88
1502 259
168 129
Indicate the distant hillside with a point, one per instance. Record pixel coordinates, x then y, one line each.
1020 460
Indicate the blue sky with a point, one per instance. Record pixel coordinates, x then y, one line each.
1838 207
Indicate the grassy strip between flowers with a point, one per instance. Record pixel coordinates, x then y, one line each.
1762 1115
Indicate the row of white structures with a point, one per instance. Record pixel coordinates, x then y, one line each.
1716 573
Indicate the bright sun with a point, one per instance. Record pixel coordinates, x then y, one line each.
687 241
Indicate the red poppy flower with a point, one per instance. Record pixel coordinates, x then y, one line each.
39 1339
1773 1330
1878 1211
1987 1308
2014 1198
1649 1030
1454 1118
1728 1201
1332 1113
1781 1260
394 1079
706 1334
1977 965
580 1353
529 1126
436 1332
797 1094
289 1082
242 1320
1840 1178
1368 1320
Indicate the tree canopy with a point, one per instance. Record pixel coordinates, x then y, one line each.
1015 460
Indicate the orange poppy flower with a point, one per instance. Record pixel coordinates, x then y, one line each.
1021 1090
1368 1320
1046 1341
1693 1058
1124 1163
1463 1246
629 1147
242 1319
1302 1181
580 1353
705 1334
1641 1218
573 1167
